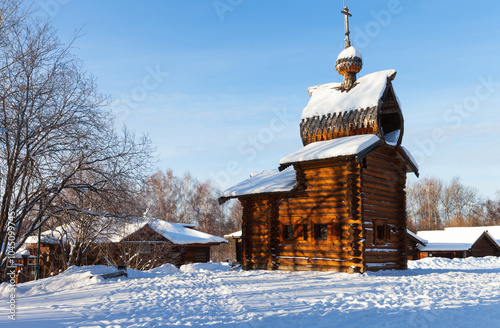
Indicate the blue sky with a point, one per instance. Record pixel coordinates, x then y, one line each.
220 85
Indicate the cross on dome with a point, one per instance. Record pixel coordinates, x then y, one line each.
346 20
350 61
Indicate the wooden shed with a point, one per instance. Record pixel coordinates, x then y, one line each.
140 243
461 242
413 244
339 202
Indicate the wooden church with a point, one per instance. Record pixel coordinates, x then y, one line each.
339 202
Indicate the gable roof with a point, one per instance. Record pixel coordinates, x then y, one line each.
284 179
347 146
174 232
458 238
416 238
359 146
329 99
268 181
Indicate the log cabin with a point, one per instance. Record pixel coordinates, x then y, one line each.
460 242
339 202
140 243
413 245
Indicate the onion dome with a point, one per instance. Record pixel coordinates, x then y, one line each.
348 64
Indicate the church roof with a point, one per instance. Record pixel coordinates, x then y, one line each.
347 146
273 181
268 181
359 146
329 99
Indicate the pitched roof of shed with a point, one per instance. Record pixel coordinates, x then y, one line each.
457 238
418 239
176 233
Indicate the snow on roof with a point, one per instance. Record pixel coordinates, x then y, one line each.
267 181
21 252
457 238
410 157
367 92
346 146
414 236
349 52
234 235
47 237
392 137
176 233
448 247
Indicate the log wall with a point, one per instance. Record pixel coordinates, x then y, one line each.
350 201
384 210
331 200
258 232
484 247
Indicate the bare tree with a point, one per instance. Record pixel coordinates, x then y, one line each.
162 194
233 216
433 204
206 209
55 136
423 201
492 212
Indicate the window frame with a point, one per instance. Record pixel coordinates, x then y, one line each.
381 226
318 230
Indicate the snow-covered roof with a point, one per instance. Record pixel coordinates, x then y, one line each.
328 98
346 146
417 238
21 252
47 237
457 238
445 247
234 235
176 233
410 157
267 181
392 138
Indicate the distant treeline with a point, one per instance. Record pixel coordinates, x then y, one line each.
434 204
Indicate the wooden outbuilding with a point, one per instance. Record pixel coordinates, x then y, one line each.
413 244
24 265
339 202
460 242
140 243
235 246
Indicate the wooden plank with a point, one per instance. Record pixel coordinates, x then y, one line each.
314 201
314 211
382 259
320 262
311 248
315 254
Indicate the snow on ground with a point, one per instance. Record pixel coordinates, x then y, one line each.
434 292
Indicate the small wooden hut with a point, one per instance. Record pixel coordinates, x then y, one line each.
339 202
460 242
141 243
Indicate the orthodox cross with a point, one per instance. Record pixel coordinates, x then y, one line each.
347 32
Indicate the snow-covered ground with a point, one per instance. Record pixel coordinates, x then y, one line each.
432 293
